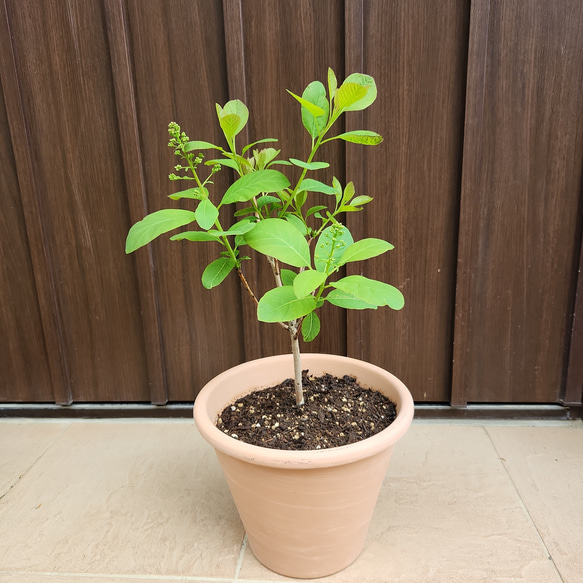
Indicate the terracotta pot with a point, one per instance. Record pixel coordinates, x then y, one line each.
306 513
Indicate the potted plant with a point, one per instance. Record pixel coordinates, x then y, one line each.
305 503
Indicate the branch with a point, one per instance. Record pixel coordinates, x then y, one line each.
246 284
254 297
276 270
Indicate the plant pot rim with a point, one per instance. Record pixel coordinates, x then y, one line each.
205 416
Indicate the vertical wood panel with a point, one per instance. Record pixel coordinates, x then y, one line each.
287 45
235 65
416 52
22 338
234 49
520 196
472 159
180 45
355 161
69 109
35 231
573 393
89 89
134 177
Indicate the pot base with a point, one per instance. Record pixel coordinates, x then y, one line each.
313 522
306 513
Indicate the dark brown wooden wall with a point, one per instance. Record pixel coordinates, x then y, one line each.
477 184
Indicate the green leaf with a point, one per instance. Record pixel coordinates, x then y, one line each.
240 163
365 249
337 189
230 163
348 94
330 246
233 118
194 236
206 214
309 165
347 301
194 193
280 239
154 225
281 305
356 93
200 145
332 83
348 193
250 185
297 223
300 199
371 291
364 137
230 125
315 110
316 186
215 235
307 281
239 228
315 93
310 326
249 146
266 199
216 271
264 157
287 276
284 195
246 211
360 200
315 209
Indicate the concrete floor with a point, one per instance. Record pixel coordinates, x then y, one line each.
145 501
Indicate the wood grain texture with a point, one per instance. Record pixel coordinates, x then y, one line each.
43 276
235 49
477 184
355 166
122 72
235 66
288 44
472 159
180 44
68 103
519 213
416 53
573 393
23 358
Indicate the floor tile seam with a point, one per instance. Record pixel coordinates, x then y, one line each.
126 576
237 579
21 476
524 505
241 556
135 577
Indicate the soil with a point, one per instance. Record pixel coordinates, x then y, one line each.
337 411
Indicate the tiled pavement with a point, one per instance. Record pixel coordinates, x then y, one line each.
145 501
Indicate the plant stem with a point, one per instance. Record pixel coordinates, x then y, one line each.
274 263
295 343
246 285
254 297
293 328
